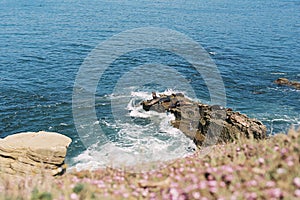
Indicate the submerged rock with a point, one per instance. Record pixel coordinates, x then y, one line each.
206 124
287 82
34 153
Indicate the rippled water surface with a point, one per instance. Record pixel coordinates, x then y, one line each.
43 44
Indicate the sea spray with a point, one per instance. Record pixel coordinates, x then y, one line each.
141 137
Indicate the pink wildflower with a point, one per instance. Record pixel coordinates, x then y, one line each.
190 188
61 197
210 177
229 178
290 163
145 192
213 189
166 196
275 193
192 169
281 171
106 194
296 182
202 185
1 189
182 197
146 176
196 195
101 185
270 184
174 193
194 178
227 168
297 193
152 195
233 197
261 161
276 148
284 151
174 184
135 193
212 183
86 180
251 196
214 169
125 195
74 196
252 183
75 179
117 192
222 184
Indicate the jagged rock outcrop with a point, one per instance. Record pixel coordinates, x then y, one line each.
34 153
287 82
206 124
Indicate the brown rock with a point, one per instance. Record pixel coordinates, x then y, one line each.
286 82
207 124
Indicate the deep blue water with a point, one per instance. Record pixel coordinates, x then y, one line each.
43 44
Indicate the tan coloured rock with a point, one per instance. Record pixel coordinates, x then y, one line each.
33 153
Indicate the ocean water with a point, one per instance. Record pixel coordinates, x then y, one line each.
43 44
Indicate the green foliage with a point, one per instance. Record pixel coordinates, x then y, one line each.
36 195
78 188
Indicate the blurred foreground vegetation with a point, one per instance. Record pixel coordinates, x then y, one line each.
244 169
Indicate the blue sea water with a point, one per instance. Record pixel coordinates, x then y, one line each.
44 43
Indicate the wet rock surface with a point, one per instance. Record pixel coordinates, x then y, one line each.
286 82
33 153
206 124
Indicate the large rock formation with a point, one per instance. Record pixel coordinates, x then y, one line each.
287 82
33 153
206 124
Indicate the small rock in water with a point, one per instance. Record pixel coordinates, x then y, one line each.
287 82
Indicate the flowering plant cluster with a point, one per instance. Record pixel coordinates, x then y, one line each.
245 169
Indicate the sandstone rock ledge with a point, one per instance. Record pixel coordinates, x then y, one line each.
33 153
206 124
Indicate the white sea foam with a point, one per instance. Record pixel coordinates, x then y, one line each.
278 73
273 120
137 143
63 124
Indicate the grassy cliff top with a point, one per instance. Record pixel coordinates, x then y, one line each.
244 169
